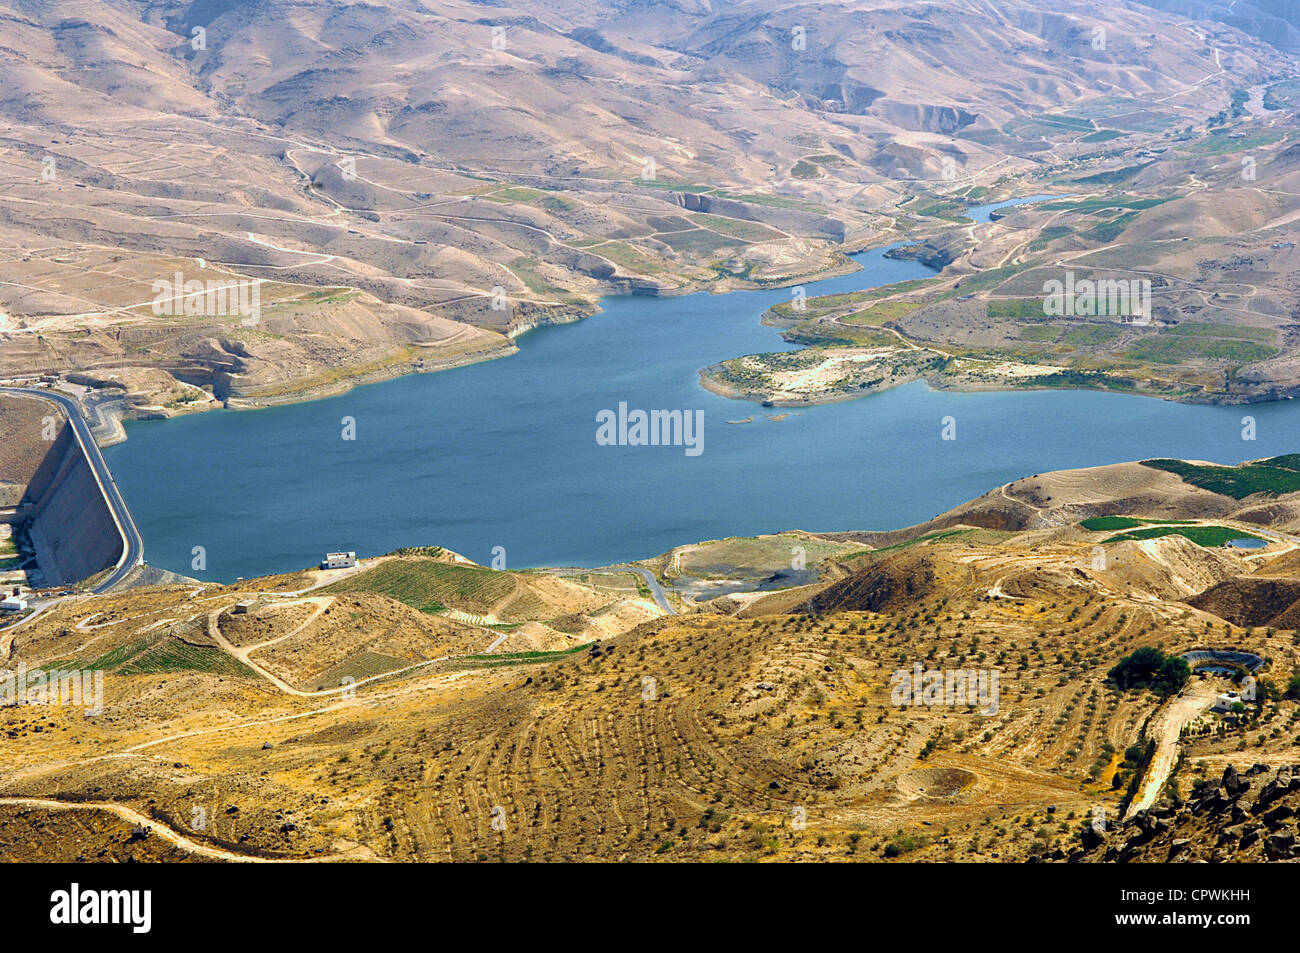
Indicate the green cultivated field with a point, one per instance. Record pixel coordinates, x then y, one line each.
1112 523
1200 535
358 667
165 653
1041 333
735 555
736 228
1271 477
8 555
1220 142
513 658
1070 336
980 281
1048 125
1086 206
826 304
1238 332
970 534
1103 135
1049 235
697 239
523 267
944 209
881 313
1107 232
1177 348
514 194
620 253
1015 308
1082 335
1113 176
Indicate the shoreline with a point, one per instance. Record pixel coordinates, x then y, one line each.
113 415
714 386
376 376
957 515
837 261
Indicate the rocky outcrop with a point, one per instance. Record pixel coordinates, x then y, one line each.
890 584
933 253
1242 817
918 117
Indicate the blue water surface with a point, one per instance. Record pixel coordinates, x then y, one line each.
504 453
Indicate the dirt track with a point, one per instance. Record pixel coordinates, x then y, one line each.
1167 727
162 830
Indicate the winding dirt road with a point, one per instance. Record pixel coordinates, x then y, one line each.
162 830
1167 727
322 603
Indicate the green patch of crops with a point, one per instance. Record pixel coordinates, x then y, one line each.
1200 535
1265 477
1112 523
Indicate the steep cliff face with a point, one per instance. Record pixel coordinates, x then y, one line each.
65 517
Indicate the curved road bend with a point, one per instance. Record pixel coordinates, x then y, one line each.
132 542
661 597
171 836
656 590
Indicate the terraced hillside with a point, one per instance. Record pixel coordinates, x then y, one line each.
345 724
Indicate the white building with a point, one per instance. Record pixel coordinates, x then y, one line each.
1225 700
13 604
339 561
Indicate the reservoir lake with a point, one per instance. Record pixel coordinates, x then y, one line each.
504 453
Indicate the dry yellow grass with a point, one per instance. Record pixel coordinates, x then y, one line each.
696 737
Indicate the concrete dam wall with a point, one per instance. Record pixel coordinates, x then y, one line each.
66 518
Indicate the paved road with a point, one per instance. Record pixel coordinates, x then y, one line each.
132 542
656 590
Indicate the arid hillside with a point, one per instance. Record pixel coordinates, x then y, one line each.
406 187
424 708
